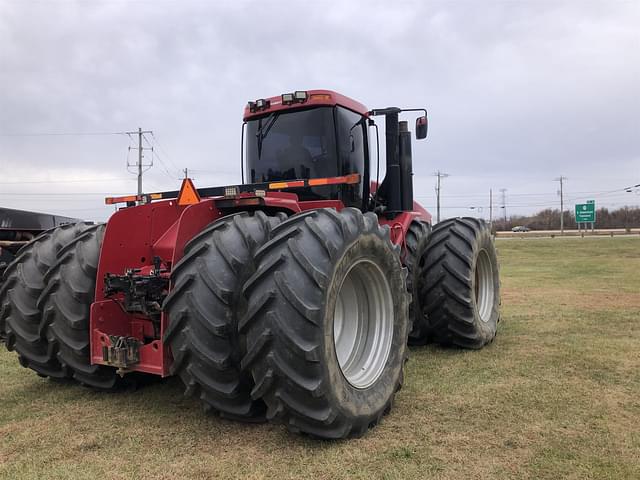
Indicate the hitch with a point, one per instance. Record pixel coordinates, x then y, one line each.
122 353
142 293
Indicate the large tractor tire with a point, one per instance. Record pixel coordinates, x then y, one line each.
460 284
65 304
204 306
6 257
327 323
20 319
416 242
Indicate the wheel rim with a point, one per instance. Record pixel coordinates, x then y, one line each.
363 324
484 290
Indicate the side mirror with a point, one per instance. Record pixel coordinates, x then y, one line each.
421 127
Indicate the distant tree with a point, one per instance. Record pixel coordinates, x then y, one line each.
549 219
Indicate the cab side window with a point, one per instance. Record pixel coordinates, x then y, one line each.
351 141
351 151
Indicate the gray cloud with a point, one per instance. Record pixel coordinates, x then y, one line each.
518 92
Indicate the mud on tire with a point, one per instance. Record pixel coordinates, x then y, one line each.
460 284
204 306
296 327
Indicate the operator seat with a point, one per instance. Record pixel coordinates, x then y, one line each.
294 157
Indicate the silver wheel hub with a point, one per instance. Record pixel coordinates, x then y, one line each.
484 288
363 324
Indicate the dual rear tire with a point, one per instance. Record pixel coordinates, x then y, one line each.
317 337
23 283
327 323
45 298
458 289
204 306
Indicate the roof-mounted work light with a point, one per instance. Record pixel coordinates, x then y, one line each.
300 96
262 104
287 98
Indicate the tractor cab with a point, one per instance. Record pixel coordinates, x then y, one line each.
316 134
320 134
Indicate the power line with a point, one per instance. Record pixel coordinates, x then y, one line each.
169 159
29 194
477 206
618 193
61 134
480 195
154 154
92 180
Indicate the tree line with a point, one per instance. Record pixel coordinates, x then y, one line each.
549 219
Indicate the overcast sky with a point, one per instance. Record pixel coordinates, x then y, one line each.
518 92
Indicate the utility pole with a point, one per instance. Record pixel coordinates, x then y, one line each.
140 149
503 191
561 179
440 175
490 208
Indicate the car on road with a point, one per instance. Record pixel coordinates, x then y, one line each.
520 228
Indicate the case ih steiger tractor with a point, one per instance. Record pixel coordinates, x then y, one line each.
289 298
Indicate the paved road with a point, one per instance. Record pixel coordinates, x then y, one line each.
598 233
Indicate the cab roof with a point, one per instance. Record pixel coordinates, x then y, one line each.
314 98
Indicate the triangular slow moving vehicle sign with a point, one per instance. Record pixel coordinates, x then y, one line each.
188 193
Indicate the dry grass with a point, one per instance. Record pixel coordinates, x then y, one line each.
557 395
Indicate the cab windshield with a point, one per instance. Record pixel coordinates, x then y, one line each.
292 145
319 142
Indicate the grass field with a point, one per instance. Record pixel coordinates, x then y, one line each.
557 395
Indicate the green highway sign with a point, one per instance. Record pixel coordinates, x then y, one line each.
586 212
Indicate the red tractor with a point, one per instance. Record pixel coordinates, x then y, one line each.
290 297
